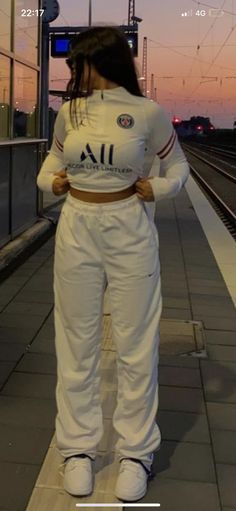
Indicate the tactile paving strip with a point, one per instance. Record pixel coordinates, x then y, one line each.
107 343
177 337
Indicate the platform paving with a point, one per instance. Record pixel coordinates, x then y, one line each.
196 465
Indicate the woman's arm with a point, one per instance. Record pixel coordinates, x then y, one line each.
162 141
54 162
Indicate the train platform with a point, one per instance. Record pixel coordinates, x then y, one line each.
196 465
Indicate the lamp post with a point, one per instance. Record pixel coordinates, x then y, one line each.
90 13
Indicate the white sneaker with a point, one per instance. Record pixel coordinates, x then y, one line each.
78 479
132 481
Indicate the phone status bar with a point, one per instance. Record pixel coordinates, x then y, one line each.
213 13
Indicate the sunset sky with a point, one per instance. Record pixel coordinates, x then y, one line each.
193 58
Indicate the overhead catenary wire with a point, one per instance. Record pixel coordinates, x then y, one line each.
209 64
192 45
213 62
161 46
212 25
199 45
222 46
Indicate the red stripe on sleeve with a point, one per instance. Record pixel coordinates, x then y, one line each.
169 149
59 145
166 146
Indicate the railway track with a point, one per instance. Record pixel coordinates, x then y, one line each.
221 166
229 152
219 184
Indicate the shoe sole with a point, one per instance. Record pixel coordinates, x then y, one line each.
128 499
77 493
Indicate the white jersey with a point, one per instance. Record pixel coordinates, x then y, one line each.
116 142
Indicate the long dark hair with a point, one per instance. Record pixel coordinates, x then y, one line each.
107 49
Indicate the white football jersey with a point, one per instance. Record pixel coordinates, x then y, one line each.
116 141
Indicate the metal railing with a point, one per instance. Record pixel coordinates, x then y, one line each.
21 203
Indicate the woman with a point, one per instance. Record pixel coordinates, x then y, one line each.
106 138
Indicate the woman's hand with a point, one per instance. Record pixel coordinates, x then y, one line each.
144 189
60 184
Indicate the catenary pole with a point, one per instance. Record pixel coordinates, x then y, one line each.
90 13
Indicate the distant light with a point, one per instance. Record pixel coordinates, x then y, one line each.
199 127
176 120
212 128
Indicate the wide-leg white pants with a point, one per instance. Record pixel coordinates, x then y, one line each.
96 244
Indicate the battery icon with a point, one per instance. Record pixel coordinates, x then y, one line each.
216 13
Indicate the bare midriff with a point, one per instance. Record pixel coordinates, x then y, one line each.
102 196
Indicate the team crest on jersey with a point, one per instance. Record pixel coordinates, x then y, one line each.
125 121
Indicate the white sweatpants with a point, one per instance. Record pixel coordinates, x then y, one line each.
96 244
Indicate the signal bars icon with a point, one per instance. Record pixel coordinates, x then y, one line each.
187 13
